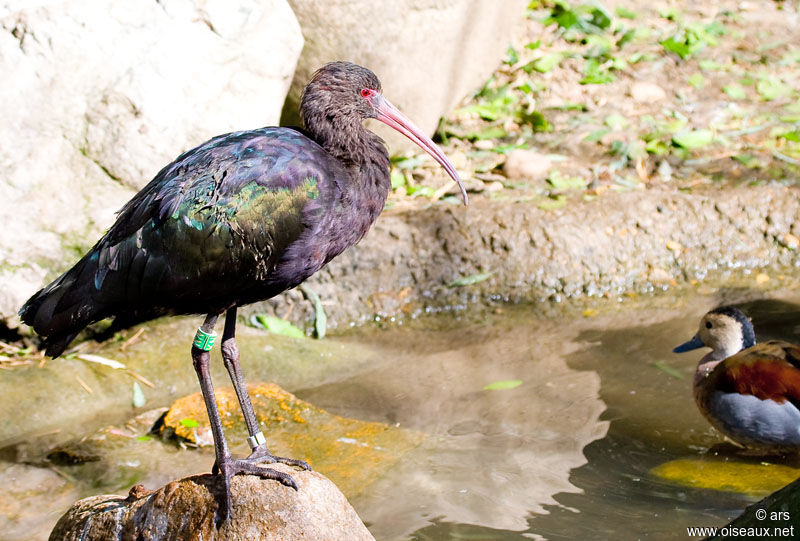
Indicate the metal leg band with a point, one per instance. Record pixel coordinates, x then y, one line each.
203 340
256 439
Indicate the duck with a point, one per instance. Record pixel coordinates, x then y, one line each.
748 391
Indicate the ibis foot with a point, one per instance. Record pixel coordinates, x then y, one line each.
261 455
231 467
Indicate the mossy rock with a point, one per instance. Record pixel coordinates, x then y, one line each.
752 479
350 452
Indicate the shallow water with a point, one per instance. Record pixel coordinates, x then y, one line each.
565 455
564 452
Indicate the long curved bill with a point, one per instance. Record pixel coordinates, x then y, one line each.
392 117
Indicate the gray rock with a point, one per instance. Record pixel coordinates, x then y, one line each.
428 54
100 95
186 509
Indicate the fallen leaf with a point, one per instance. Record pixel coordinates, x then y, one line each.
277 325
469 280
100 360
138 396
674 246
503 385
664 367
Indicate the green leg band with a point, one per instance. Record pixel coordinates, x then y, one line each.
203 340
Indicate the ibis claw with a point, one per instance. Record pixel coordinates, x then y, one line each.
231 467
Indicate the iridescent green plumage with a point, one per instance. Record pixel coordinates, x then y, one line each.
209 232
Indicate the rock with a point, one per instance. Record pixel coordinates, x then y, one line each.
775 512
186 509
536 255
659 276
352 453
32 500
522 164
645 92
100 95
428 54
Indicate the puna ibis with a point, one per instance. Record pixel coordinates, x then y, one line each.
749 391
238 219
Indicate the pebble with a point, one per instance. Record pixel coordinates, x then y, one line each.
645 92
522 164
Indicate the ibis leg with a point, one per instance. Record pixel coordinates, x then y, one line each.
256 439
225 466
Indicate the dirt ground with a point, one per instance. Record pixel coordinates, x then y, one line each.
630 95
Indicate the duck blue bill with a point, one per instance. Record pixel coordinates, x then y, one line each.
694 343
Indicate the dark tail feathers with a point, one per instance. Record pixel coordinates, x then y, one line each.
62 309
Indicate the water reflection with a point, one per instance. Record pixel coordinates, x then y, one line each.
568 454
492 457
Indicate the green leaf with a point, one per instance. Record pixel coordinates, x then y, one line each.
793 107
691 140
596 135
469 280
615 121
657 147
276 325
562 15
398 178
677 46
511 56
502 385
664 367
138 396
697 80
670 13
625 13
145 438
189 423
626 37
547 62
535 120
320 318
711 65
563 183
748 160
735 91
419 191
492 132
793 136
772 88
595 73
597 46
552 203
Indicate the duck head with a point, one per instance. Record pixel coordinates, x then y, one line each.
726 330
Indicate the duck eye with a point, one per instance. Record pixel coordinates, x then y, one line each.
708 325
366 92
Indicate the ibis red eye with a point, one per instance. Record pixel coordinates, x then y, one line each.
366 92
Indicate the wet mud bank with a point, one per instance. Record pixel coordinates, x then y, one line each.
446 256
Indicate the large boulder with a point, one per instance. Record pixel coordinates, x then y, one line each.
428 54
187 509
99 95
